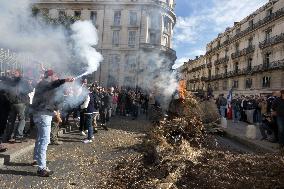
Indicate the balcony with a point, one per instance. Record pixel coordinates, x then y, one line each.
272 41
270 18
221 61
243 52
153 47
197 68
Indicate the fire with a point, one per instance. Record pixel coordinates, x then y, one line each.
182 89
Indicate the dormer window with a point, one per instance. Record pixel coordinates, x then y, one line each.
238 31
237 47
251 24
269 12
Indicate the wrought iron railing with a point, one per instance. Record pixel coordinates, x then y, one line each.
243 52
272 41
221 60
260 23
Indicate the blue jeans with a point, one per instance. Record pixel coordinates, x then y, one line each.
236 114
223 110
43 124
280 123
89 124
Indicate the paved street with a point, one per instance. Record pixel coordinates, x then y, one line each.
79 165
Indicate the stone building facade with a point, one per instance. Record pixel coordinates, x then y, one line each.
248 57
132 34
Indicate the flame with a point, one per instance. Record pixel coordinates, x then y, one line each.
182 89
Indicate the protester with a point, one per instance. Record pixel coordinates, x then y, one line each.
222 104
43 111
278 111
105 108
236 107
18 89
89 110
114 103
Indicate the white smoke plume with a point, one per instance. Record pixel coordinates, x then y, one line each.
40 43
22 33
85 38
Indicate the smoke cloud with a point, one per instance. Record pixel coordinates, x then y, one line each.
37 43
40 43
85 38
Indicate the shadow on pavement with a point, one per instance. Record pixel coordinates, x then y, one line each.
14 172
140 125
18 164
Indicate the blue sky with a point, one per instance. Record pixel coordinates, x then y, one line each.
200 21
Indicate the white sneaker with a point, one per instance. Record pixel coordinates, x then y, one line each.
86 131
93 137
83 133
86 141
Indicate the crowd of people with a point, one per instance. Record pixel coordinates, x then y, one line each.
46 105
266 111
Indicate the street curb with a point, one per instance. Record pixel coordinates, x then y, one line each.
7 157
248 143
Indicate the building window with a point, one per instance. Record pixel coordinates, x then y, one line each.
249 64
132 38
269 12
154 20
266 82
166 41
225 84
218 43
115 38
226 53
237 47
133 18
217 71
166 24
238 31
209 73
226 70
235 84
216 86
236 67
93 17
117 18
251 24
153 38
250 42
268 34
227 37
77 14
217 56
248 83
130 65
267 59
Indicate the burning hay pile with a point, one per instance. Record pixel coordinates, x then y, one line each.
179 154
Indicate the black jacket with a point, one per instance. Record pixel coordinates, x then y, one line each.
44 101
17 89
106 101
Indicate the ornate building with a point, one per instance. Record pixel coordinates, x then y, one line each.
132 34
249 57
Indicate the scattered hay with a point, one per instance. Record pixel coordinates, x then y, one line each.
180 154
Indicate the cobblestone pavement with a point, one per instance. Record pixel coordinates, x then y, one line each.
79 165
